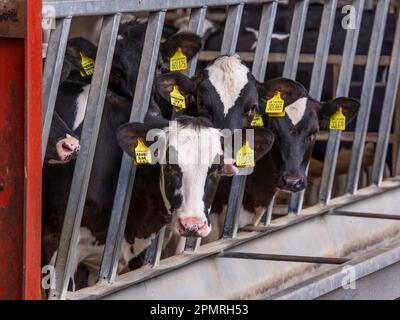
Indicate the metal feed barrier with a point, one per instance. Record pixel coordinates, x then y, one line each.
111 10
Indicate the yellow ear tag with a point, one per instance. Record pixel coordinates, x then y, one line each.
178 62
338 121
177 99
257 121
245 156
87 65
143 153
275 104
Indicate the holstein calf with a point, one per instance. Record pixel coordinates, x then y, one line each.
284 168
71 106
191 154
225 92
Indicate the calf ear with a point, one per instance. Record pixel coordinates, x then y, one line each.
349 107
290 90
128 135
165 84
189 42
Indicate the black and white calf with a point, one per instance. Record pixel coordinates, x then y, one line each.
225 92
284 167
71 106
191 152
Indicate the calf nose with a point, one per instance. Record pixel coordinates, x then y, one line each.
68 147
192 226
293 182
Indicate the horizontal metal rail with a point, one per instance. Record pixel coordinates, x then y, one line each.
366 215
281 257
65 8
276 57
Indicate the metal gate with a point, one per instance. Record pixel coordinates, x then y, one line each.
111 10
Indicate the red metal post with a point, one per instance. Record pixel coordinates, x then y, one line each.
20 148
33 147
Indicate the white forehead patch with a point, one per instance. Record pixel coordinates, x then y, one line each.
197 149
296 110
228 76
195 146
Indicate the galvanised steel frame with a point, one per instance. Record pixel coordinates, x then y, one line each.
111 10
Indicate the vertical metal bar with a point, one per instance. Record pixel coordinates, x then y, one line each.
346 71
232 27
153 254
83 166
387 110
317 77
267 217
196 25
52 74
259 68
127 172
296 39
264 40
367 94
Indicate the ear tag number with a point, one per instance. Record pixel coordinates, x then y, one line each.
177 99
87 65
257 121
275 104
245 156
143 153
178 62
338 121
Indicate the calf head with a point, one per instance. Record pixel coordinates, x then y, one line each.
190 153
296 131
128 52
225 92
63 144
77 50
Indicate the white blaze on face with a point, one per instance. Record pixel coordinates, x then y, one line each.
81 104
296 110
197 148
228 76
